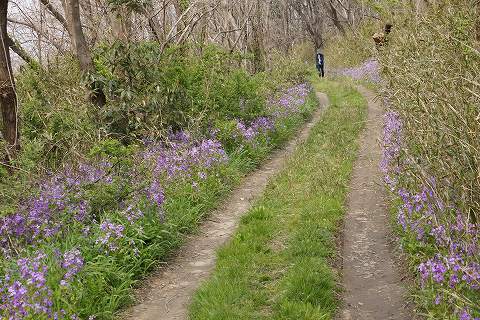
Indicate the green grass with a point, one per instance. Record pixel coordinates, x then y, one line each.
279 264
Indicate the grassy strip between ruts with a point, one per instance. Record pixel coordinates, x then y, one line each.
279 263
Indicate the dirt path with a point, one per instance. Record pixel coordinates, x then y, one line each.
371 278
166 294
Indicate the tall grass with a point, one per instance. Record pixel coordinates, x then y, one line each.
432 72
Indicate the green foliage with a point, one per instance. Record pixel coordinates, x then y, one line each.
111 148
225 130
150 92
55 117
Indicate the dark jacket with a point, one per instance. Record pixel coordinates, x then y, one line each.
320 60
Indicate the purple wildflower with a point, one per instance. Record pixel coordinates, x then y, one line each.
72 263
111 233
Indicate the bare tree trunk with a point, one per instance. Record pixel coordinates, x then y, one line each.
55 13
257 39
336 21
286 28
202 27
178 11
121 24
174 14
39 33
153 22
82 51
8 97
309 12
39 39
86 6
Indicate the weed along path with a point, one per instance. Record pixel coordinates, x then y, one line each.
372 281
166 295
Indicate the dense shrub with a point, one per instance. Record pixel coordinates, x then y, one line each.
150 92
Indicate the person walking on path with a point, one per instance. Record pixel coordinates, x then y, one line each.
320 61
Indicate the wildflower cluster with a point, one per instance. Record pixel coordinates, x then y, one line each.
392 141
60 198
181 158
369 70
260 126
72 263
101 206
290 101
110 234
24 291
445 240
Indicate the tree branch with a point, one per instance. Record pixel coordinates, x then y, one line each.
54 12
37 30
20 51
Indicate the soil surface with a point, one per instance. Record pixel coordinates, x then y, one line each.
166 294
371 277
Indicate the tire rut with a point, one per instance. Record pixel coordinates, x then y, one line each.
371 277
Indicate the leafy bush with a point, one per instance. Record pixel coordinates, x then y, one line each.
55 118
150 92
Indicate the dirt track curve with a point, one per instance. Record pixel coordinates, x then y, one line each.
166 294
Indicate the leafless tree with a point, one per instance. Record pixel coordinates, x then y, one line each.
72 9
312 14
8 98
